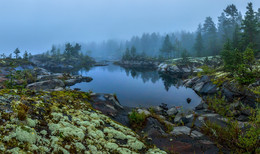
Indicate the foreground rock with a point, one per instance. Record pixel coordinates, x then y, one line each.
181 134
61 122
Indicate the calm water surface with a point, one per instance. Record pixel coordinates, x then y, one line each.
136 88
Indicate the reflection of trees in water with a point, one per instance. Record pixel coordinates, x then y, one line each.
145 74
171 80
153 76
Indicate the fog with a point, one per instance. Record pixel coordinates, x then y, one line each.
36 25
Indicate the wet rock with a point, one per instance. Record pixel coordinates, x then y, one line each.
147 113
164 106
198 86
157 109
188 100
208 88
180 119
190 82
172 111
153 126
201 106
196 134
181 130
108 105
214 118
46 85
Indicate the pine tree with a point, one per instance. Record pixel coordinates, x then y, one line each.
16 52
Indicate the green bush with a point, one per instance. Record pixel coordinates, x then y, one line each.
233 137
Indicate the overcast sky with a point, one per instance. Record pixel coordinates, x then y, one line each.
35 25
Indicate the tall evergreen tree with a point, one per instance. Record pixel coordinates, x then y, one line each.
133 52
250 27
25 55
68 50
236 43
198 46
76 49
167 47
53 50
209 33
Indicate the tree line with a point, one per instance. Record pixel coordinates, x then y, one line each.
208 40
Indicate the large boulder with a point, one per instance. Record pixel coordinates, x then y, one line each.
46 85
208 88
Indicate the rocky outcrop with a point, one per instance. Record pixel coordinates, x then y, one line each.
201 85
172 68
46 85
55 81
230 90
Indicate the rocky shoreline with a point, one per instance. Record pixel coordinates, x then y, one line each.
188 127
55 81
170 129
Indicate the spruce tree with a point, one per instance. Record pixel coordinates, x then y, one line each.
250 27
198 46
167 47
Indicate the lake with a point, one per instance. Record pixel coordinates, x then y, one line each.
138 87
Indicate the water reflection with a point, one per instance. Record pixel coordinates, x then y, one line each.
139 87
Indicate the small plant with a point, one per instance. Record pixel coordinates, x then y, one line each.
137 120
22 111
207 70
218 104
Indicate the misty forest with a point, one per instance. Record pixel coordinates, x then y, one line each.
156 92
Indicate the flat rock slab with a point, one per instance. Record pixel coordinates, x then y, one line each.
181 130
184 130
